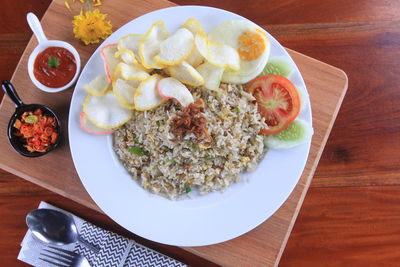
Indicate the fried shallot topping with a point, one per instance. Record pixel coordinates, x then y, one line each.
191 120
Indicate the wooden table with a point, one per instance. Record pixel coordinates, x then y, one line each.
350 215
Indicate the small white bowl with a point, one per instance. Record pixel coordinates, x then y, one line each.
37 29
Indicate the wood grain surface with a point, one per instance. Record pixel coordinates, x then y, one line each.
349 217
42 171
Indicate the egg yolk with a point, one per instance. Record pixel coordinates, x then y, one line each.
251 45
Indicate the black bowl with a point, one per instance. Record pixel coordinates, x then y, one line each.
15 141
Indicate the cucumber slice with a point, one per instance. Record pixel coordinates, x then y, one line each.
303 97
297 133
277 66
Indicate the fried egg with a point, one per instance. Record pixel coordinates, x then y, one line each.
251 43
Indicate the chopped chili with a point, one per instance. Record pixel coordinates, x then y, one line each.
37 131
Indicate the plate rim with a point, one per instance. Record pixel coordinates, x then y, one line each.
213 241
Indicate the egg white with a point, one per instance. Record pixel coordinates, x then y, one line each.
228 33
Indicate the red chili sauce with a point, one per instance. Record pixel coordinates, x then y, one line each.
59 71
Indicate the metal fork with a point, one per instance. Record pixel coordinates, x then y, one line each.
64 258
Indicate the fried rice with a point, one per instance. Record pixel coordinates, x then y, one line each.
161 164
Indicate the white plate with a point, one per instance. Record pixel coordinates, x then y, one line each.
203 220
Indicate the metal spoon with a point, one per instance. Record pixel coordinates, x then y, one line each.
54 227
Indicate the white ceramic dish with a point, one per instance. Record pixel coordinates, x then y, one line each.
202 220
37 29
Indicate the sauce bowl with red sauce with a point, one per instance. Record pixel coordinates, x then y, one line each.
53 65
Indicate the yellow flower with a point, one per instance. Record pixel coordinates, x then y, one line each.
91 26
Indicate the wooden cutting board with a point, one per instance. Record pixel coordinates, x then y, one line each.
55 171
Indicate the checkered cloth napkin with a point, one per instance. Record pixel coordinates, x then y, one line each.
115 250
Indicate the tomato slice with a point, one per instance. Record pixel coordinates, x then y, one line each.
278 101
